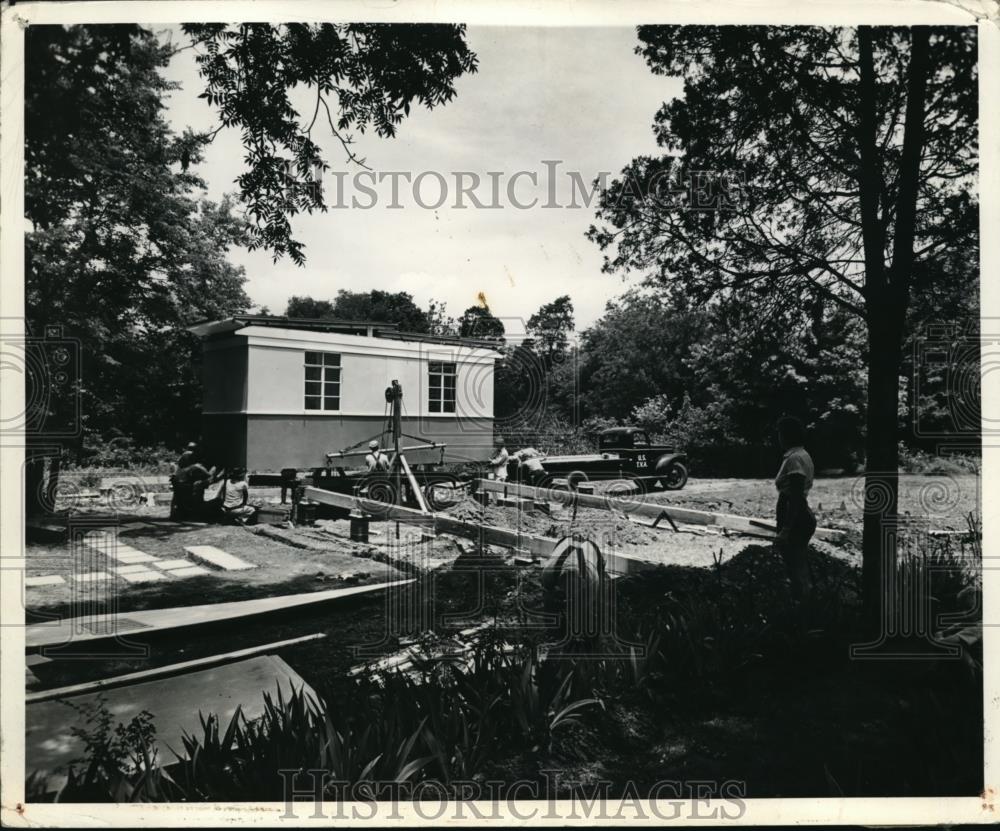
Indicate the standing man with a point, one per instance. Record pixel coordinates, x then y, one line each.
376 461
188 456
794 518
498 462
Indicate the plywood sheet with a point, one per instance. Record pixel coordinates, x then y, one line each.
174 702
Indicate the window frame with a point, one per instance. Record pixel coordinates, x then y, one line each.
328 368
437 398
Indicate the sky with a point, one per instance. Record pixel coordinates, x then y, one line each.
548 101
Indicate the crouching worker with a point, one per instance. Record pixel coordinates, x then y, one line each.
236 495
529 466
795 520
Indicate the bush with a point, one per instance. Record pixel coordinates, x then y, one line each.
914 460
119 452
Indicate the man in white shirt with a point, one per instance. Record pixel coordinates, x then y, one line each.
498 462
795 520
376 460
530 467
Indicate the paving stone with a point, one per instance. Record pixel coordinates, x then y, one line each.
91 576
136 569
217 557
137 557
47 580
190 571
146 576
170 565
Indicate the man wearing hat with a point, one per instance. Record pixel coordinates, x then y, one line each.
376 460
188 456
498 461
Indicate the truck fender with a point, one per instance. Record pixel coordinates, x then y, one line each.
665 461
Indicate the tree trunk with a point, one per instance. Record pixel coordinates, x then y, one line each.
881 471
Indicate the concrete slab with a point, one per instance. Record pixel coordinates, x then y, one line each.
190 571
35 660
47 580
145 576
91 576
175 703
213 556
136 569
135 557
168 565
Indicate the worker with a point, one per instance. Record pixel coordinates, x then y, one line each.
529 466
376 460
188 456
189 487
236 495
498 461
795 520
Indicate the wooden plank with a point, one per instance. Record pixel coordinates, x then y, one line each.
504 537
440 523
77 630
654 510
170 669
212 556
175 704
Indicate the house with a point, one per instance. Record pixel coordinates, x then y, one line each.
281 392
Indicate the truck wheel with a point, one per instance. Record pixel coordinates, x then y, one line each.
676 477
442 494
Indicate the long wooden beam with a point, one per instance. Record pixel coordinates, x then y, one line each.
75 630
442 523
650 510
170 669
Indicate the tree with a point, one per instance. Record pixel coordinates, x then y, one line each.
856 151
479 322
123 250
361 75
382 306
309 309
637 350
550 328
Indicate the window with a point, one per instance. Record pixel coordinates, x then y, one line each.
322 381
441 387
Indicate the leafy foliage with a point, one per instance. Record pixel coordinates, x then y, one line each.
364 75
479 322
809 163
124 251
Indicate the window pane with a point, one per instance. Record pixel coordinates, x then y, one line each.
331 373
449 406
313 358
312 402
449 369
331 359
331 389
313 373
313 387
435 406
331 402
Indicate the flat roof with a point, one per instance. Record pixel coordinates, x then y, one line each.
368 328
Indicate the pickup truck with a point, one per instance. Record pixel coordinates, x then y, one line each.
625 453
